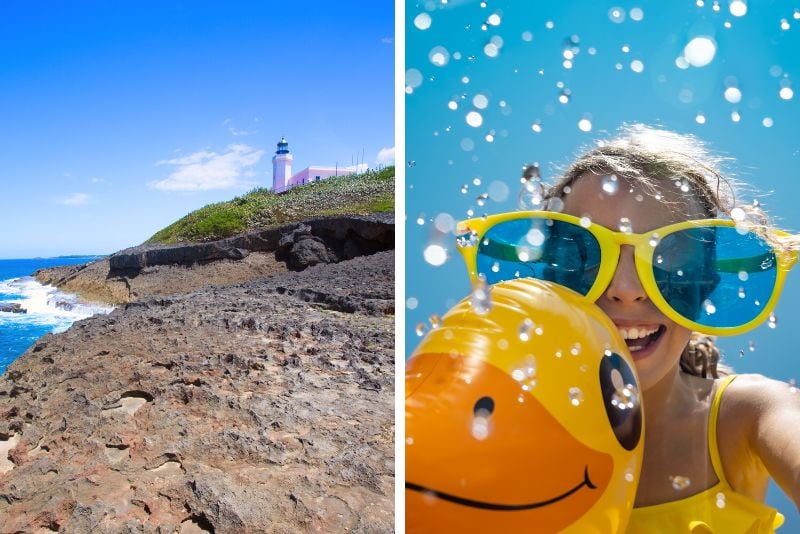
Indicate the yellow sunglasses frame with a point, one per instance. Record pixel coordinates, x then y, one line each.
610 246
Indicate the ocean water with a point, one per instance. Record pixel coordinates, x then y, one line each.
49 310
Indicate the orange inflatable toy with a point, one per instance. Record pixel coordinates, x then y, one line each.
524 417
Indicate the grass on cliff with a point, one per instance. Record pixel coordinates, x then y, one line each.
358 194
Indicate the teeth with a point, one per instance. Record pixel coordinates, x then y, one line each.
636 333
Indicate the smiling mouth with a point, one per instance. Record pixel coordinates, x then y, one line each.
502 507
641 338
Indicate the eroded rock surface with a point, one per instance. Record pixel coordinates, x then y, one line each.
261 407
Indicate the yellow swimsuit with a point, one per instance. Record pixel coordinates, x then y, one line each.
716 510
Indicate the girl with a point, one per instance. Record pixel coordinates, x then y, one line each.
711 441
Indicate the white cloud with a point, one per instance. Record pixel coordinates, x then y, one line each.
75 199
206 170
236 132
361 167
386 156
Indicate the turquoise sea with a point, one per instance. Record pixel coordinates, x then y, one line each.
48 309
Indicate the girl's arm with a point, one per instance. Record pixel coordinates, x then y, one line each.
774 433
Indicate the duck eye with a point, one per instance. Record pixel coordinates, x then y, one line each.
622 399
483 407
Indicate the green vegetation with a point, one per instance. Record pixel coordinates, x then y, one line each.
358 194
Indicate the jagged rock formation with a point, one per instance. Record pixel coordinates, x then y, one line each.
149 270
12 308
261 407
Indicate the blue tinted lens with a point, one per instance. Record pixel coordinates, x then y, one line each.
715 276
540 248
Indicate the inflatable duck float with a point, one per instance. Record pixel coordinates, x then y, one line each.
522 416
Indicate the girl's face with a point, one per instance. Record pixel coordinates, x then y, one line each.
654 340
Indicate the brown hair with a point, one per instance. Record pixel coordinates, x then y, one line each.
651 156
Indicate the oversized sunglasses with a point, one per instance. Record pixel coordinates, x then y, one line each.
712 276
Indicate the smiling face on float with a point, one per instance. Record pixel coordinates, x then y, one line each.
527 414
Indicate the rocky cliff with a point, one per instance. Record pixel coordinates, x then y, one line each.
149 270
264 406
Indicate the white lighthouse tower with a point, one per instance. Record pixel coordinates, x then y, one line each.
281 166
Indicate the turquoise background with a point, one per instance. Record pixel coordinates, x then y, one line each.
444 152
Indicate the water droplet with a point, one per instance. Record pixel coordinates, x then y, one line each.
654 240
625 225
536 127
616 15
549 25
738 8
435 255
625 396
637 66
792 385
785 24
435 321
480 427
576 349
610 184
629 476
585 125
409 440
720 500
680 482
733 95
563 96
586 222
700 118
525 330
743 276
421 329
767 122
491 50
527 36
636 14
412 163
735 117
737 214
555 204
481 199
474 119
413 78
773 321
741 293
659 259
494 19
700 51
412 303
481 299
752 346
422 21
709 307
786 93
575 396
439 56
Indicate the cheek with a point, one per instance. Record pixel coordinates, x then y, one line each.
678 338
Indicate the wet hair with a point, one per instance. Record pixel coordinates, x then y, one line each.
654 157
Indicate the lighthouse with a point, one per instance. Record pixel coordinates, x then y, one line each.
281 166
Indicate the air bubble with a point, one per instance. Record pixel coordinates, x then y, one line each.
625 225
525 330
439 56
741 293
700 118
435 321
610 184
586 222
536 127
563 96
700 51
616 15
527 36
709 307
720 500
636 14
413 78
585 125
786 93
680 482
738 8
737 214
637 66
751 346
421 220
575 396
435 255
421 329
481 199
464 189
654 240
733 95
785 24
494 19
555 204
629 476
422 21
480 101
412 163
735 117
481 299
474 119
767 122
491 50
576 349
773 321
480 427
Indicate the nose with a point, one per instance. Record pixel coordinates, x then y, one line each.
625 286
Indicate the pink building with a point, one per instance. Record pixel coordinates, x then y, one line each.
282 178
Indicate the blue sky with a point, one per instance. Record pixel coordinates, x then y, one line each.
121 117
481 75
